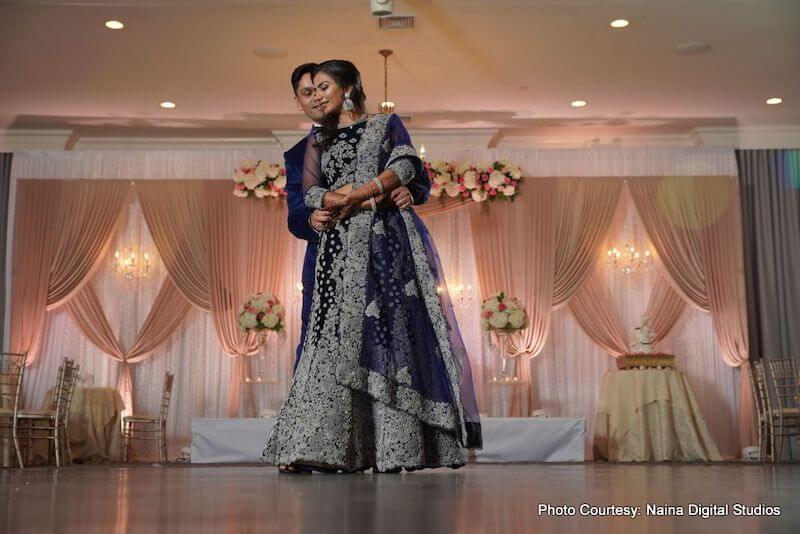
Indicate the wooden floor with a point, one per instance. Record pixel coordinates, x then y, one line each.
477 498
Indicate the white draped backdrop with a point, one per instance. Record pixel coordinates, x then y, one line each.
566 374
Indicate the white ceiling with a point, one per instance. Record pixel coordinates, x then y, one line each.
508 64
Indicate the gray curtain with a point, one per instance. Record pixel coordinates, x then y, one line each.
770 182
5 184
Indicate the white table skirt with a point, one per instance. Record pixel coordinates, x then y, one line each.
505 439
532 439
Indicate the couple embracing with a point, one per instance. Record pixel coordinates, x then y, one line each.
382 379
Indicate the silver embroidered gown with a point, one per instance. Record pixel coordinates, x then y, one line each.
377 384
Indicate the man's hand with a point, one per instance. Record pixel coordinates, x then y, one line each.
402 197
343 207
321 220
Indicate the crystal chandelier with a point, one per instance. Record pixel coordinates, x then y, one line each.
387 106
460 295
131 264
628 259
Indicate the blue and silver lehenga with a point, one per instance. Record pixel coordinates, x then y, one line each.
383 380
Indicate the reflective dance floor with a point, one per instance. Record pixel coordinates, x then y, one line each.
590 497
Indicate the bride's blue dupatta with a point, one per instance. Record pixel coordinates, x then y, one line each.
398 340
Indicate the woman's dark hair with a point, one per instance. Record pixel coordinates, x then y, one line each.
345 74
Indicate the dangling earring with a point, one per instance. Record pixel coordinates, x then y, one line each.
347 105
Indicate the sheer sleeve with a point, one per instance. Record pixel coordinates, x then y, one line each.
313 182
403 159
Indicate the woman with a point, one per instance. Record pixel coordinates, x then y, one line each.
383 380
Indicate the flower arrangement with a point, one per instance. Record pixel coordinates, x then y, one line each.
261 179
443 179
481 181
502 314
262 311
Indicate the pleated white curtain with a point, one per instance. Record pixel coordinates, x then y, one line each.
566 375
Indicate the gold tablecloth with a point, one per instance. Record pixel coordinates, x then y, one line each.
650 415
94 423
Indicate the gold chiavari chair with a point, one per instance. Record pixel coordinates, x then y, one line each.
758 385
12 369
149 427
51 424
64 414
784 385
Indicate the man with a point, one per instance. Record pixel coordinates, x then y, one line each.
307 223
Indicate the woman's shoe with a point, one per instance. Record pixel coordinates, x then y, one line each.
294 469
393 471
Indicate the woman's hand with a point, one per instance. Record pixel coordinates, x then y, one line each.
402 197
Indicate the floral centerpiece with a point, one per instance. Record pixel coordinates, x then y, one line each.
261 313
443 179
479 181
261 179
502 314
502 317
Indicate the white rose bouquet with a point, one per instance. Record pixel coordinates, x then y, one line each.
442 175
503 314
261 179
493 181
480 181
262 311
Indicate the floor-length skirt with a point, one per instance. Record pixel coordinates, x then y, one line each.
374 415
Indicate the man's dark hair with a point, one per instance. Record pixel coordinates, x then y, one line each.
300 71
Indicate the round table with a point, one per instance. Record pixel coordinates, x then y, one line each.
94 424
650 415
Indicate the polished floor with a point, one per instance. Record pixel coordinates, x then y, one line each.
477 498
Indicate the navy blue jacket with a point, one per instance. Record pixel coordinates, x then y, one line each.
300 226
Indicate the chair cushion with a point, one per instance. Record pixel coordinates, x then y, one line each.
787 412
36 414
141 418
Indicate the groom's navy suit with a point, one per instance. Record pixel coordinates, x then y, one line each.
300 225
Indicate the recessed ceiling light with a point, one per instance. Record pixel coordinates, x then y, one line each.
619 23
268 52
692 48
168 105
578 103
774 100
114 24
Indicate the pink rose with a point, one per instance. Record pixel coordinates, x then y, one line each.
493 192
502 307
